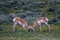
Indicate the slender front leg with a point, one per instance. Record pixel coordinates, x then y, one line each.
48 26
14 25
40 27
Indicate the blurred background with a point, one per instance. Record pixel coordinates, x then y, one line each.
29 10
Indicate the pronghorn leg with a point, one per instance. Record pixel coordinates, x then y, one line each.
40 28
48 26
14 26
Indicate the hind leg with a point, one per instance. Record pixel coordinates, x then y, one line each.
14 25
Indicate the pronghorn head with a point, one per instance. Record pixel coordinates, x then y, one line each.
31 28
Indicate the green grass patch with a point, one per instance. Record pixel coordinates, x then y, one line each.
20 34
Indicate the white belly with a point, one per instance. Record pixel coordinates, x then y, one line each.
20 23
40 22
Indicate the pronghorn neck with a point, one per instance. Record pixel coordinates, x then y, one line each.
34 24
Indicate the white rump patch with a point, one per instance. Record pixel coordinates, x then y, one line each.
14 19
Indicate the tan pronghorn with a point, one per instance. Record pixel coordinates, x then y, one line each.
40 21
21 22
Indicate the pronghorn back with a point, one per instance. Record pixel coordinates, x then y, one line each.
17 19
42 18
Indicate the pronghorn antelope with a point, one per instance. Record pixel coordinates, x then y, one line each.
40 21
21 22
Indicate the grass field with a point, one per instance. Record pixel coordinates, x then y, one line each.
7 34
